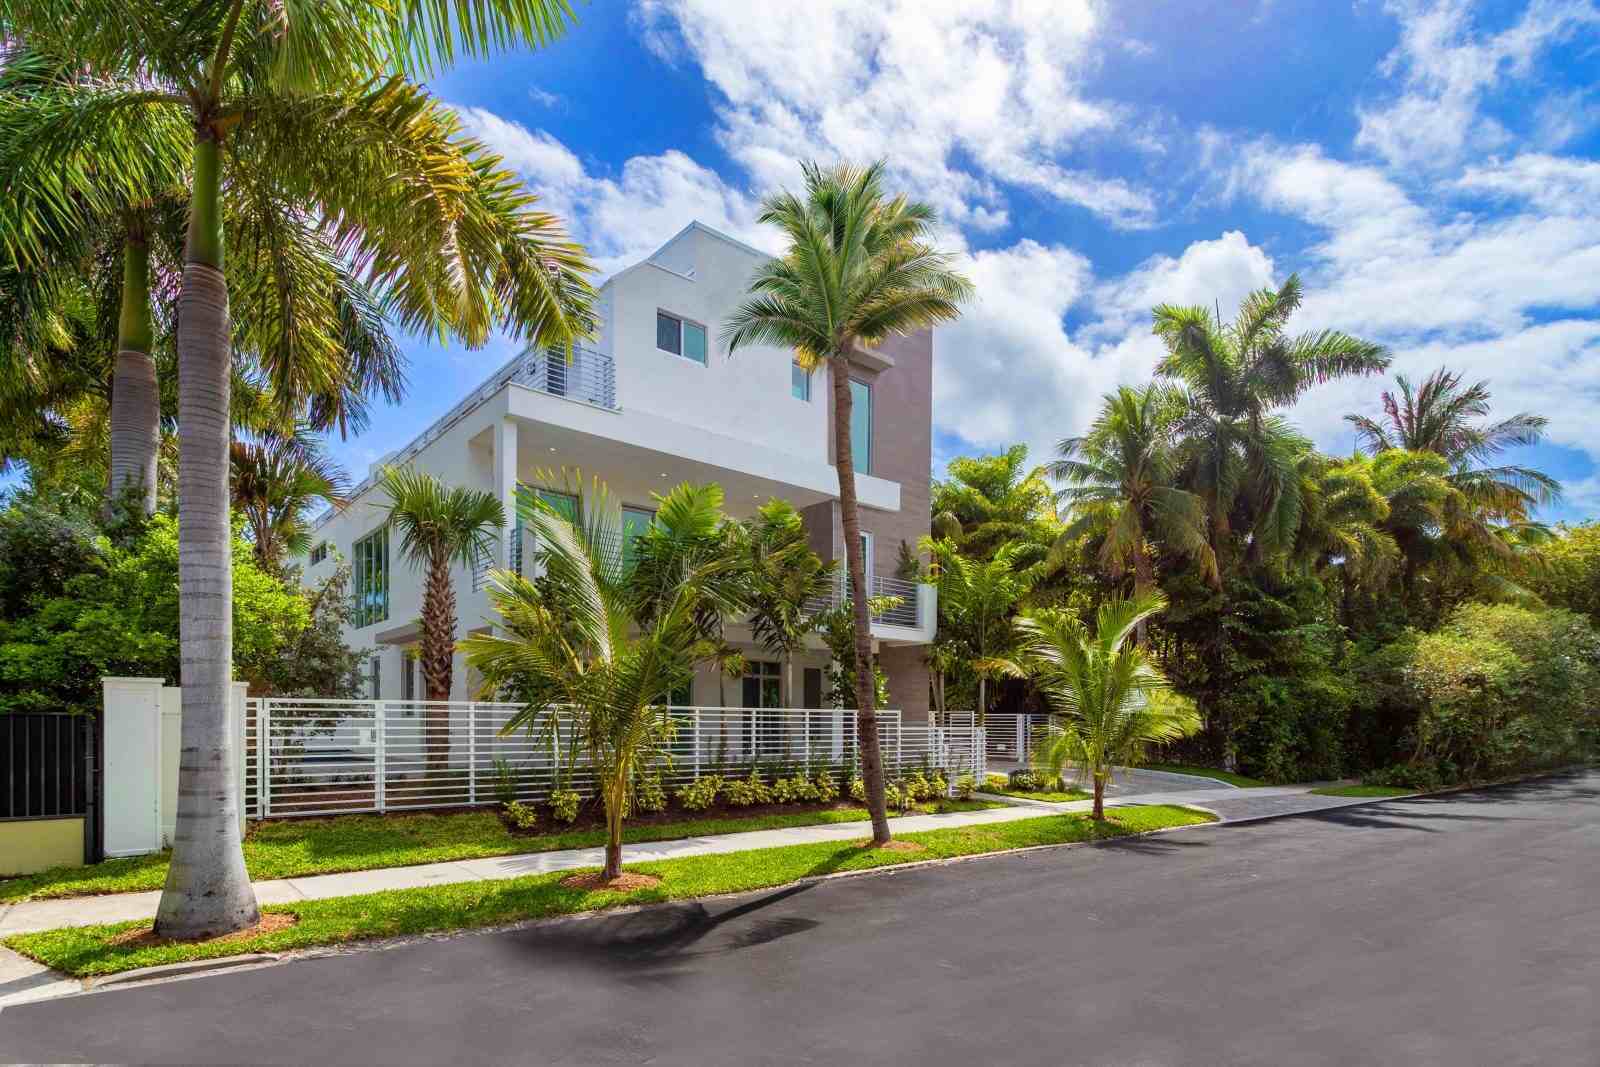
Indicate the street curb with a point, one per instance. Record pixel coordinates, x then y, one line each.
189 968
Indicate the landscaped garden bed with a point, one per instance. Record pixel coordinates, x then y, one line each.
97 950
294 847
1032 786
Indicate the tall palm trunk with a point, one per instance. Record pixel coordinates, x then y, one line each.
615 798
208 891
855 564
135 398
438 655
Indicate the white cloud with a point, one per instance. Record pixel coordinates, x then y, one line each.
959 96
1448 68
1554 184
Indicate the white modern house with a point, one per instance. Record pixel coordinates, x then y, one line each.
653 401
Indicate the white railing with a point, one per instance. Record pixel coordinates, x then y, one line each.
1013 738
326 757
904 613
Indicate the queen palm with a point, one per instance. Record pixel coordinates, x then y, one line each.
1236 453
1119 487
308 103
1112 701
1446 418
978 601
787 581
276 481
858 270
439 527
574 640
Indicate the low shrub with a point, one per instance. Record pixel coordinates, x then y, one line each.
648 795
522 816
747 791
893 798
994 782
1025 781
827 788
858 789
938 787
1424 777
564 805
797 789
966 785
915 786
701 793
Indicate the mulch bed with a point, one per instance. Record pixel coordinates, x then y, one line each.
145 936
625 882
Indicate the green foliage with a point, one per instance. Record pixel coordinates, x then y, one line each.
837 628
966 785
701 793
505 781
564 805
858 789
796 789
827 787
747 791
523 816
316 662
118 614
1423 777
648 793
1570 574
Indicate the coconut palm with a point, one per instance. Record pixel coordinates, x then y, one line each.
1444 417
439 527
302 103
1236 453
573 640
858 270
1119 487
1111 700
276 481
985 501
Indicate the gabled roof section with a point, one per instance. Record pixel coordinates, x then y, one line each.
700 227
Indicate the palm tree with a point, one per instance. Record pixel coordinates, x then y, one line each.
286 95
439 527
1113 700
1443 417
787 581
986 501
275 483
1235 453
573 640
1119 488
978 602
858 270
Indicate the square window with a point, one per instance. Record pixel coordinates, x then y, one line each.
799 382
319 552
668 333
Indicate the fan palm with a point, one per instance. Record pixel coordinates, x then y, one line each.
1444 417
574 641
303 104
275 483
858 270
1111 698
1235 453
439 527
985 501
1119 487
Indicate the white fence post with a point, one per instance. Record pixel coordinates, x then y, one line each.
379 757
472 753
696 729
263 757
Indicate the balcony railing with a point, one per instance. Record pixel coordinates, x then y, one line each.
590 377
904 613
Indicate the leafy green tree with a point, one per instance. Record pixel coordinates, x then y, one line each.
986 501
1120 488
275 483
1112 700
295 96
859 269
572 640
978 603
1570 575
316 662
787 581
439 527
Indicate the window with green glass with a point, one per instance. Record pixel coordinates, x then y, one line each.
680 337
369 572
635 521
799 382
861 426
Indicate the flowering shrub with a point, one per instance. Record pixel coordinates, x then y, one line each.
522 816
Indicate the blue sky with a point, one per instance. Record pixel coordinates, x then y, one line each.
1431 169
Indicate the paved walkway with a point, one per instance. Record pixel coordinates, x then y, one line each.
1228 804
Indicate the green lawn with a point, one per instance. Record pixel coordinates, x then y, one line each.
1048 797
1363 791
1207 772
291 848
88 950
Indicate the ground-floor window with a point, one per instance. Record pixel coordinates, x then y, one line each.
761 684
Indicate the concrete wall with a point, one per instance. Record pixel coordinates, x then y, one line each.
29 845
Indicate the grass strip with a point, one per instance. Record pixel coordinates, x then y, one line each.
293 848
1362 791
1057 797
1243 781
89 950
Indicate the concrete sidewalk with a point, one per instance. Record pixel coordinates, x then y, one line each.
30 916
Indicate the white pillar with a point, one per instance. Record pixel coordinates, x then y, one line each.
505 480
132 765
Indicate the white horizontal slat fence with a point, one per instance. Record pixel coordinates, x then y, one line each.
328 757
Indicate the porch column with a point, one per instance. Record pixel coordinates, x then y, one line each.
505 482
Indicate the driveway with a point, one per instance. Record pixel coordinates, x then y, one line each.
1137 781
1457 929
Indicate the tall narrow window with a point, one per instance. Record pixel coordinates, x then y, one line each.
680 337
369 568
375 676
861 426
635 521
799 382
761 689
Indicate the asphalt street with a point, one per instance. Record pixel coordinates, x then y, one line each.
1458 929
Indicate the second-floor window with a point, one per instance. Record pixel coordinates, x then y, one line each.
799 382
319 552
635 521
680 337
861 426
369 571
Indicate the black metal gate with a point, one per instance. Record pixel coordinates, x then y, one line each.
50 769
